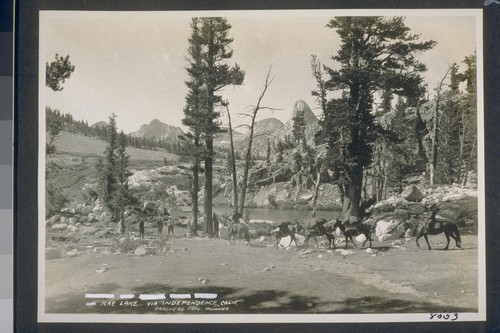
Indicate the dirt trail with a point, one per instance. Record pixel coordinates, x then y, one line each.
263 279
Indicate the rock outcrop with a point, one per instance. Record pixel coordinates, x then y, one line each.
453 203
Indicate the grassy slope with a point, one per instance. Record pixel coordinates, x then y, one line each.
73 164
82 145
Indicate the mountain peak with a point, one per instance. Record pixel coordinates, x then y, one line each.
301 105
158 129
156 121
100 124
268 126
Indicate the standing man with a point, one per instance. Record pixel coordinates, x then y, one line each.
141 228
159 224
170 224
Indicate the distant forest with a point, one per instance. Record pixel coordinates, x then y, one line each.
66 122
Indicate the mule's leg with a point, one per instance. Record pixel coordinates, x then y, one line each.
456 236
331 241
419 235
352 241
367 238
427 240
347 241
457 242
447 241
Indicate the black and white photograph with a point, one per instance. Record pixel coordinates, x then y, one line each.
261 166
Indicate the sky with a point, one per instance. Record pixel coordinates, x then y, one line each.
133 63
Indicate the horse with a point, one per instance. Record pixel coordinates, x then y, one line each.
433 227
285 229
316 227
361 229
234 229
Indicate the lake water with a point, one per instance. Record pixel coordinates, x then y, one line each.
271 214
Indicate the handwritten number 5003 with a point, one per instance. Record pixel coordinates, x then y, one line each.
445 316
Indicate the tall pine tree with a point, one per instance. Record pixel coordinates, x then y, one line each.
376 53
113 174
209 50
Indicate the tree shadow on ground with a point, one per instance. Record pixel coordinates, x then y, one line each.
260 301
234 300
76 302
453 249
372 304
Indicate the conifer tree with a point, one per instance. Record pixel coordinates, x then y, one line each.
209 50
56 72
299 127
113 174
375 53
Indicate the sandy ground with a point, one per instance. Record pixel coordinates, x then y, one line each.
262 279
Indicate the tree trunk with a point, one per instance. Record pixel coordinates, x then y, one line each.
247 167
233 164
121 223
434 138
463 130
374 182
352 196
194 197
432 162
342 193
207 202
316 191
467 169
250 141
365 185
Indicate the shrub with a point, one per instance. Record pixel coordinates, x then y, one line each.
125 246
55 200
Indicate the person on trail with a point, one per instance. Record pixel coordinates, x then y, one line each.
235 220
215 222
141 228
170 224
431 224
159 224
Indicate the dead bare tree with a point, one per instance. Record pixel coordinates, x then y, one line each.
435 125
233 164
253 114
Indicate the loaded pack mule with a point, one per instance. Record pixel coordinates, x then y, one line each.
234 229
349 233
284 229
433 227
316 227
